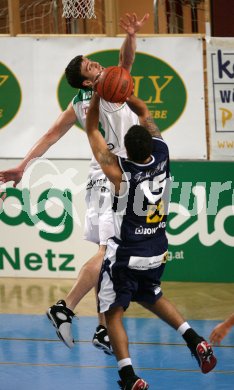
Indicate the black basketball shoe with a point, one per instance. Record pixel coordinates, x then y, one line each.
61 318
101 340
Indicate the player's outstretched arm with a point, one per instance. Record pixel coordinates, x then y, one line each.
107 160
131 25
221 330
57 130
141 110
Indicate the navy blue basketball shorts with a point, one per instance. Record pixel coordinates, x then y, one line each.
121 282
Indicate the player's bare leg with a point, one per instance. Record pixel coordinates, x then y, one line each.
117 333
119 342
101 338
166 311
86 279
199 347
61 314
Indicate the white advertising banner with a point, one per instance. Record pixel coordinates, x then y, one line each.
220 61
167 73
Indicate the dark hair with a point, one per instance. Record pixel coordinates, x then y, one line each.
138 143
73 73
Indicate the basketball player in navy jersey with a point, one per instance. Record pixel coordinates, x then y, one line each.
136 256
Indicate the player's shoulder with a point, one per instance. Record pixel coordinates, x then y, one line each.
83 95
159 143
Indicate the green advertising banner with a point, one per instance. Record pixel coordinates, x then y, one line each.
201 222
42 220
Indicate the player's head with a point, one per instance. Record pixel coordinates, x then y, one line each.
82 72
138 144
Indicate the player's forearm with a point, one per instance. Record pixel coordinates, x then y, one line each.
37 150
131 25
139 107
127 52
92 118
96 140
229 321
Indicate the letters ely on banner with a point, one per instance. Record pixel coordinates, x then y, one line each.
220 58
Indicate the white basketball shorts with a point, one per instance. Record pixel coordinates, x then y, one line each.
98 219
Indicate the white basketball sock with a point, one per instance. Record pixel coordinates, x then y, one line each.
182 328
124 362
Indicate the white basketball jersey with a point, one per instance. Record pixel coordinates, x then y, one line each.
114 121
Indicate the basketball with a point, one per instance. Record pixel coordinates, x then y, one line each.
115 84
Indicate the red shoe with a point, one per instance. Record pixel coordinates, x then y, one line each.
135 384
205 357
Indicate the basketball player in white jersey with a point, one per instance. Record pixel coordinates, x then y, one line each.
136 255
82 73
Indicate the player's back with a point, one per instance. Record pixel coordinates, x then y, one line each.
140 214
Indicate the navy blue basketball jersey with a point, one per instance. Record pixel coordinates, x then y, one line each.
140 214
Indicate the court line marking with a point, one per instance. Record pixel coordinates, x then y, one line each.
109 367
89 341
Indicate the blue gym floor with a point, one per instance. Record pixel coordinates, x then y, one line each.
33 358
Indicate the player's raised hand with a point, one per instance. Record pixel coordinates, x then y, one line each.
130 24
14 174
